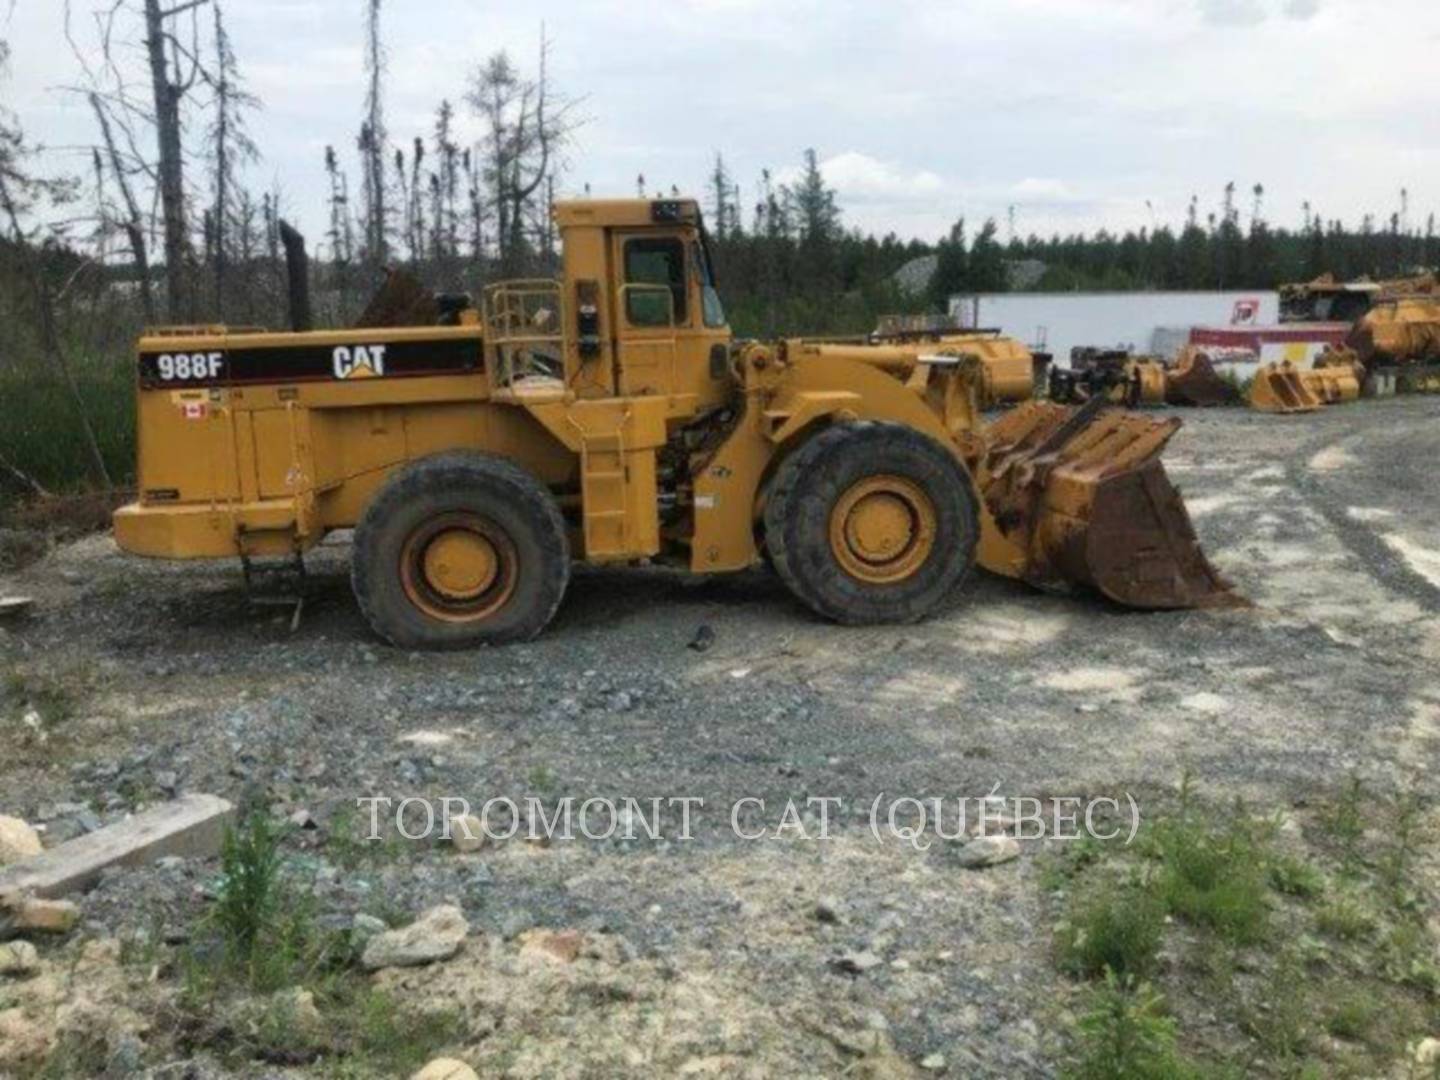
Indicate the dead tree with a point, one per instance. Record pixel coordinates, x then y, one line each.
373 140
134 222
171 82
231 147
524 128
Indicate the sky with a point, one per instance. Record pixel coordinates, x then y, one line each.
1079 114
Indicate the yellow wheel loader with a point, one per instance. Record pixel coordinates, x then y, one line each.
608 417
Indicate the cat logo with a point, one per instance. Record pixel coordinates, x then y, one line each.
361 362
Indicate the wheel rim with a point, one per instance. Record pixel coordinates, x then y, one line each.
459 567
882 530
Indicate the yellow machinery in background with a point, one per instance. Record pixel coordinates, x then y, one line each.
1009 371
1399 338
607 416
1280 388
1335 378
1136 381
1395 334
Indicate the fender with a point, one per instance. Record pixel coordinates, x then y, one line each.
790 393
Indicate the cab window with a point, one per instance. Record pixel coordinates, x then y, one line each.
711 309
655 261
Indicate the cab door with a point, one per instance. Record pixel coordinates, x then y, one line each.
654 310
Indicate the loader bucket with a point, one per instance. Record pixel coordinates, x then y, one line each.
1082 495
1194 381
1278 388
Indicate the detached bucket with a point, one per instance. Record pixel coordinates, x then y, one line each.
1194 381
1279 388
1085 496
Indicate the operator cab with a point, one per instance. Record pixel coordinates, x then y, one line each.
636 312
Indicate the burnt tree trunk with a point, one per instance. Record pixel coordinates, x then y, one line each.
134 223
180 300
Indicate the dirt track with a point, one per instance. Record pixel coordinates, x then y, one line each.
170 679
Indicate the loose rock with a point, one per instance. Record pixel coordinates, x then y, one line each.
986 851
32 916
561 945
436 935
856 963
446 1069
17 841
18 958
467 834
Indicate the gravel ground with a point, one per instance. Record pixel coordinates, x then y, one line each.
163 678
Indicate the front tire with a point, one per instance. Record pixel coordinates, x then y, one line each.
460 549
872 523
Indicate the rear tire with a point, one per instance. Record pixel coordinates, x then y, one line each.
872 523
460 549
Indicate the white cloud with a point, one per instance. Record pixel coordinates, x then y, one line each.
1042 189
857 176
862 176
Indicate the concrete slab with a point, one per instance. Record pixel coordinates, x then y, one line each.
192 826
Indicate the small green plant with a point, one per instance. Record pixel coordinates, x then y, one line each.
1398 857
542 779
249 897
1352 1017
1345 821
48 698
1125 1035
1346 918
1407 958
1296 877
264 930
1215 878
1116 929
374 1036
1069 862
1280 1016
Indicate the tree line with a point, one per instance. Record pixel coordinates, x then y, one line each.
165 223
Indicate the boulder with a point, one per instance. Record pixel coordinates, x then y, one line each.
986 851
446 1069
17 841
436 935
28 915
18 958
561 945
467 834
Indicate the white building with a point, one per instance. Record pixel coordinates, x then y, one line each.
1154 323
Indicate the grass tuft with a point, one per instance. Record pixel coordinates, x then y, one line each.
1215 878
1346 918
1115 928
1296 877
